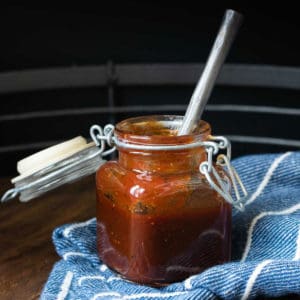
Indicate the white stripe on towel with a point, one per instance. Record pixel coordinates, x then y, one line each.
154 295
253 277
66 255
188 283
103 268
114 278
138 296
268 176
105 294
67 230
64 289
258 217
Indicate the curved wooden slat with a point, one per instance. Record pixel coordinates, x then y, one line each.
146 75
148 108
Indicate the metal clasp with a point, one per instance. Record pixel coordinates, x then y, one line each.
207 168
101 136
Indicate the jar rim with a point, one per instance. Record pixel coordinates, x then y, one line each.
159 129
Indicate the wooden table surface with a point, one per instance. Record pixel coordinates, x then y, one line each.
27 252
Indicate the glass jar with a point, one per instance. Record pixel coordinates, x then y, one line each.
158 219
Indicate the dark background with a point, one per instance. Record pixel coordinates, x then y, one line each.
36 37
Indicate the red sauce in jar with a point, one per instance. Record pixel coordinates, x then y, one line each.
158 220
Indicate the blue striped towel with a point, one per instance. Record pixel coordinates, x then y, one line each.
266 247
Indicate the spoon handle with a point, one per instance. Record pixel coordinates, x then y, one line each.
229 27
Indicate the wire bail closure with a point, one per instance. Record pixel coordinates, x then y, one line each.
101 136
207 168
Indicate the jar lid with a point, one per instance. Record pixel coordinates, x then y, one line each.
53 167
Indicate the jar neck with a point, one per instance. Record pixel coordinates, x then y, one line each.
162 162
160 130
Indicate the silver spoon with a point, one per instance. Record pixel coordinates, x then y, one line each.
229 27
